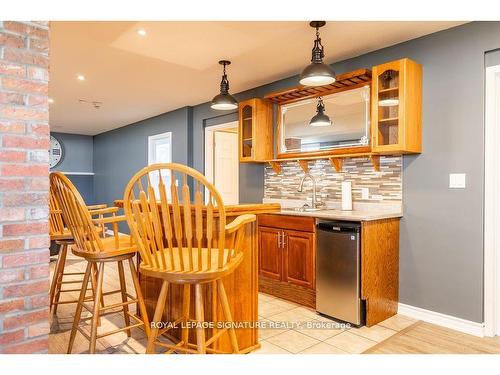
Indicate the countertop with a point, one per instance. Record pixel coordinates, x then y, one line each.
355 215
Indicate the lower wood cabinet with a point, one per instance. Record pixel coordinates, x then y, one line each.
287 257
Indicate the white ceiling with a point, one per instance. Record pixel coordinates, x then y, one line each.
175 64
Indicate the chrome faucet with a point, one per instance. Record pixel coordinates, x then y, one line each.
313 188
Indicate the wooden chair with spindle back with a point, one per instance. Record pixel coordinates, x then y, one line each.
97 250
180 243
62 236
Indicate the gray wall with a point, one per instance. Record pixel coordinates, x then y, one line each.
78 154
120 153
441 266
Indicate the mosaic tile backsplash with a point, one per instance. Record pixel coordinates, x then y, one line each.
384 186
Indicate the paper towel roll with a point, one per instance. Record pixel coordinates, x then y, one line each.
346 195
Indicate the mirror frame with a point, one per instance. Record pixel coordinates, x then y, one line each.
334 151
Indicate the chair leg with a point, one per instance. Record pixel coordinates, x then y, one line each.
94 283
186 304
200 331
60 272
55 276
123 288
227 314
79 307
140 298
160 307
95 315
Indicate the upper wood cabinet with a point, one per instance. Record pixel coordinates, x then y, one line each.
255 130
396 116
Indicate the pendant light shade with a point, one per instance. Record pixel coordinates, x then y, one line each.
320 119
317 73
224 101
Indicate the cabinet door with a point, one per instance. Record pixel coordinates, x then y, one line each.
270 253
299 258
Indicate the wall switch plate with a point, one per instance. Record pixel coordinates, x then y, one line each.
365 193
457 180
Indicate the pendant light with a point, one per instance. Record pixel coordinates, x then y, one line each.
224 101
320 118
317 73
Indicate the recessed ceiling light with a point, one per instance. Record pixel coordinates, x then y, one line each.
141 32
80 77
51 100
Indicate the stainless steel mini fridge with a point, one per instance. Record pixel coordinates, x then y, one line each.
338 271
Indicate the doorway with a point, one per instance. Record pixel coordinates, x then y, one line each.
221 160
492 203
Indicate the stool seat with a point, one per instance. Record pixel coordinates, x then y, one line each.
177 275
111 248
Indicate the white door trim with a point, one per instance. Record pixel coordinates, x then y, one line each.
491 203
209 151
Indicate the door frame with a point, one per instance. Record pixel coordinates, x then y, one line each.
492 203
209 153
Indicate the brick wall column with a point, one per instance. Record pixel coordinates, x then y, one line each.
24 185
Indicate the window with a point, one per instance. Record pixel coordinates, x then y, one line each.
160 151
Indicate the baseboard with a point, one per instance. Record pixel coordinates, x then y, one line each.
448 321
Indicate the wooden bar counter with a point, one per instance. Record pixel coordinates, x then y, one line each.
241 288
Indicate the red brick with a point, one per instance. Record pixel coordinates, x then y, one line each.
11 337
41 300
41 242
40 74
25 29
33 346
25 85
11 305
26 258
39 129
23 113
39 183
11 245
25 289
12 127
25 229
12 214
25 199
37 213
24 170
39 272
12 69
11 275
25 57
25 141
37 101
13 156
39 45
11 40
11 98
39 329
11 184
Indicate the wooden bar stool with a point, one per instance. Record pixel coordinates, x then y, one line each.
63 238
99 251
179 244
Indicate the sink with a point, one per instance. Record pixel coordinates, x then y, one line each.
302 209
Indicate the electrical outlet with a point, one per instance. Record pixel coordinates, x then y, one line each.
457 180
365 193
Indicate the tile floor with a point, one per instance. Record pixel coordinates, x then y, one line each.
289 328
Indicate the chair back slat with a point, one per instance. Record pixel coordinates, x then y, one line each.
188 221
175 230
75 213
56 223
198 203
176 211
166 220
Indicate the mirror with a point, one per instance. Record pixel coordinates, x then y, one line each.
349 112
